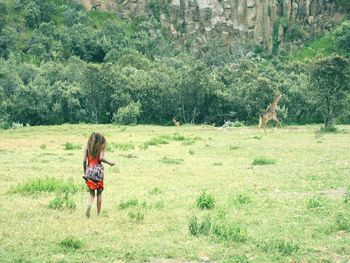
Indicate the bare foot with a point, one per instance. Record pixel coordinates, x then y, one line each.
87 213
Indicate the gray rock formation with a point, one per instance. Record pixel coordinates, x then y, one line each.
241 24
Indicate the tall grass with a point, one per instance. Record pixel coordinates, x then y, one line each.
45 185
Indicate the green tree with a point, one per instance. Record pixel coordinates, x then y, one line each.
330 86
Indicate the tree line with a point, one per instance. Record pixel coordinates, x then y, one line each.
62 64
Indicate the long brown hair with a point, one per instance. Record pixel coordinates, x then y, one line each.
96 144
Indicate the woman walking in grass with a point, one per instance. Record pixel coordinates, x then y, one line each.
93 169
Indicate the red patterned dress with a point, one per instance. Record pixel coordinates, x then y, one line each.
94 185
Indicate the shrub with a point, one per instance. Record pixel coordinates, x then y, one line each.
191 152
241 199
263 161
123 146
71 146
230 232
193 226
205 201
62 202
155 191
238 124
43 146
189 142
47 185
162 139
71 243
342 222
168 160
137 216
129 203
239 258
197 228
315 202
286 248
218 164
347 197
56 203
331 129
128 114
178 137
159 205
234 147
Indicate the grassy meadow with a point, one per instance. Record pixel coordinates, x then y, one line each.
188 194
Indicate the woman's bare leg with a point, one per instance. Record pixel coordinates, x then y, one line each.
90 201
99 201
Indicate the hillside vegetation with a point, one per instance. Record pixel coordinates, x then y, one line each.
62 64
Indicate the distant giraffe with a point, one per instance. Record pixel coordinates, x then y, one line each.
269 114
176 122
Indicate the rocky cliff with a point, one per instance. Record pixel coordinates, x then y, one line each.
240 25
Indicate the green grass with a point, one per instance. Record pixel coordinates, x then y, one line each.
71 243
292 211
321 47
263 161
46 185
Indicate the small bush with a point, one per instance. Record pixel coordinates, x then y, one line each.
178 137
155 191
197 228
137 216
189 142
71 243
286 248
230 232
193 226
241 199
218 164
71 146
159 205
238 124
205 201
205 226
123 146
342 222
129 203
56 203
263 161
43 146
234 147
347 197
63 202
331 129
191 152
315 202
168 160
239 258
47 185
163 139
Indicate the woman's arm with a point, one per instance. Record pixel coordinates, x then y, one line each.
102 158
85 160
107 162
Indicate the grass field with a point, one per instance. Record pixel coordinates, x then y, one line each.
177 195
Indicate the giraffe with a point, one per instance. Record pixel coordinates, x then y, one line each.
269 114
176 122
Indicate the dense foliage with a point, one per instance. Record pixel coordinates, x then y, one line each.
60 63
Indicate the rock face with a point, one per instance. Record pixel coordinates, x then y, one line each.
239 24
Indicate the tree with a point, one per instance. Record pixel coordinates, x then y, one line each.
329 87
